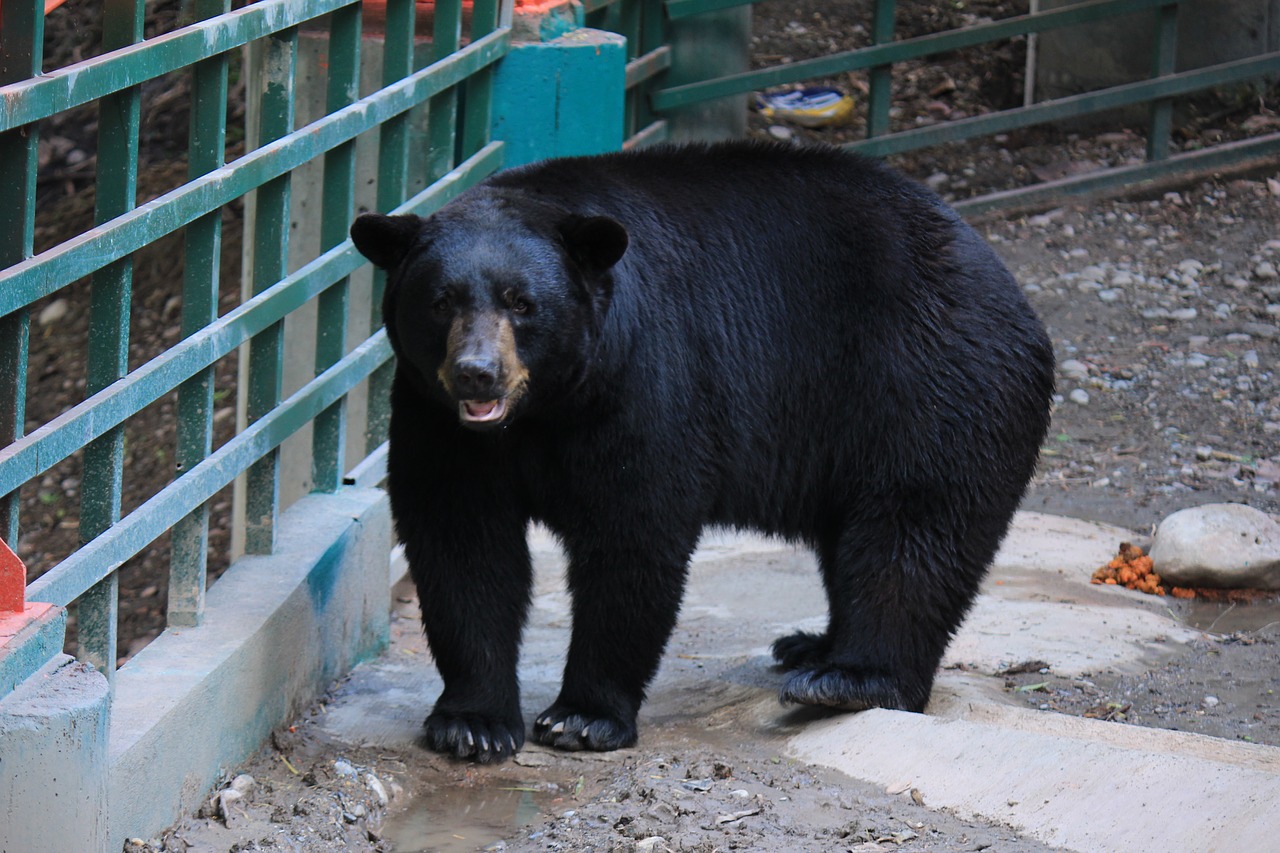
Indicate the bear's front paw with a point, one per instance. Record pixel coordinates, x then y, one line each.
473 736
564 728
800 649
847 688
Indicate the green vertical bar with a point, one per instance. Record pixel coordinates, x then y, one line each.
479 89
442 111
270 264
652 36
880 96
338 209
1163 61
21 40
630 27
393 176
189 559
108 351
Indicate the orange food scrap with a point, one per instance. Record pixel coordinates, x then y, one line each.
1133 569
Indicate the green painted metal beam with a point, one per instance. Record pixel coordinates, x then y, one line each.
677 9
33 278
1183 83
1163 63
90 565
22 22
899 51
328 440
111 294
649 135
188 562
46 446
48 94
478 101
270 264
880 77
393 164
648 66
1247 153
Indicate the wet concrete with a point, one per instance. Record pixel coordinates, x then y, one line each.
972 753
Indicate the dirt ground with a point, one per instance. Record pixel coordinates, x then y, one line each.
1165 316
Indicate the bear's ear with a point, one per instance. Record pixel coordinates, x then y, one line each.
594 242
385 240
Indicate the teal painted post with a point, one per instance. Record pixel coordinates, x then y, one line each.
108 351
337 210
880 96
22 23
1163 62
270 265
393 178
203 248
578 82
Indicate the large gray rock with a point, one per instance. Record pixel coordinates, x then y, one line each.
1218 545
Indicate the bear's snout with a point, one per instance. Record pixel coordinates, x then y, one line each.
482 370
476 379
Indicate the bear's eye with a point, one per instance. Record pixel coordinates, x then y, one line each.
516 303
442 305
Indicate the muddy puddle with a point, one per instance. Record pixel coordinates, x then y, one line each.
475 817
1221 617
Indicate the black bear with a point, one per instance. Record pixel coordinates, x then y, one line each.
632 346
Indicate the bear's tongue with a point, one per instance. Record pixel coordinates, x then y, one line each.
483 410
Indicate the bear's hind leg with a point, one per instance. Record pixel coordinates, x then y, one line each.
800 649
896 595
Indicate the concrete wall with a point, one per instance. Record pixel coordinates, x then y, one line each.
53 761
278 630
84 766
1078 59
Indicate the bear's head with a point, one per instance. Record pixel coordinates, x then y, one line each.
494 303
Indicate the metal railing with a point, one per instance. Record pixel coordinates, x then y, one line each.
879 59
460 154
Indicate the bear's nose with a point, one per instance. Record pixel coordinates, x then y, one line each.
476 380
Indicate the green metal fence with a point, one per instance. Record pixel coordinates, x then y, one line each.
460 154
879 59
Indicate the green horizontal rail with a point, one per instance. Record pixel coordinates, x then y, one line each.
677 9
899 51
49 94
1263 150
656 132
589 6
647 67
69 579
36 277
46 446
1182 83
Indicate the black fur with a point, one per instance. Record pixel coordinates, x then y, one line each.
797 341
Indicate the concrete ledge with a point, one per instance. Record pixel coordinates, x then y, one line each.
28 641
1074 784
277 631
53 760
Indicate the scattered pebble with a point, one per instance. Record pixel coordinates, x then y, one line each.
53 312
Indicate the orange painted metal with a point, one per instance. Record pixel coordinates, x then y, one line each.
13 581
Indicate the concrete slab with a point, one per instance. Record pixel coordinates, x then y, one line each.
1057 778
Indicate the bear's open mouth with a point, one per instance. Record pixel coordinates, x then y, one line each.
482 411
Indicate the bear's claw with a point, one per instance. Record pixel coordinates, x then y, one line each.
850 689
563 728
472 736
